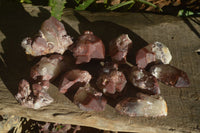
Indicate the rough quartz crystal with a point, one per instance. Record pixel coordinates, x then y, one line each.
52 38
23 91
72 77
170 75
143 105
36 97
153 52
111 82
47 68
118 48
88 99
88 46
144 80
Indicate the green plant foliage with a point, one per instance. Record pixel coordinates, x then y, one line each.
84 5
26 1
185 13
148 3
120 5
77 1
57 7
132 2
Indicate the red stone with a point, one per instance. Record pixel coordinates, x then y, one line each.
144 57
35 97
88 99
52 38
143 105
39 86
47 68
151 53
118 48
24 90
144 80
72 77
170 75
88 46
111 82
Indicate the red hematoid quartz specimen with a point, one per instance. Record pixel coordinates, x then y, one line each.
170 75
72 77
35 98
52 38
143 105
153 52
144 80
47 68
88 99
111 82
118 48
88 46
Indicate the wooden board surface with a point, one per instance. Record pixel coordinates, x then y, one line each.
180 35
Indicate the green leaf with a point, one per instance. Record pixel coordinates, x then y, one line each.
85 4
57 7
131 6
186 13
26 1
120 5
149 3
77 1
181 12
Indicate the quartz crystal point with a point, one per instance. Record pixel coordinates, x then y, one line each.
88 46
52 38
111 82
144 80
72 77
118 48
35 98
88 99
151 53
170 75
143 105
47 68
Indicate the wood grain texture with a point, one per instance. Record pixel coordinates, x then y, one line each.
183 103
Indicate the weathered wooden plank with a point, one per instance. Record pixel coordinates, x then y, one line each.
183 103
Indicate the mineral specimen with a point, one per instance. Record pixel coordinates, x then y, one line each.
88 99
144 57
47 68
118 48
39 86
151 53
170 75
108 67
42 99
72 77
88 46
144 80
23 91
36 97
52 38
143 105
111 82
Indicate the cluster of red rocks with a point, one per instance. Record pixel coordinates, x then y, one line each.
152 66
